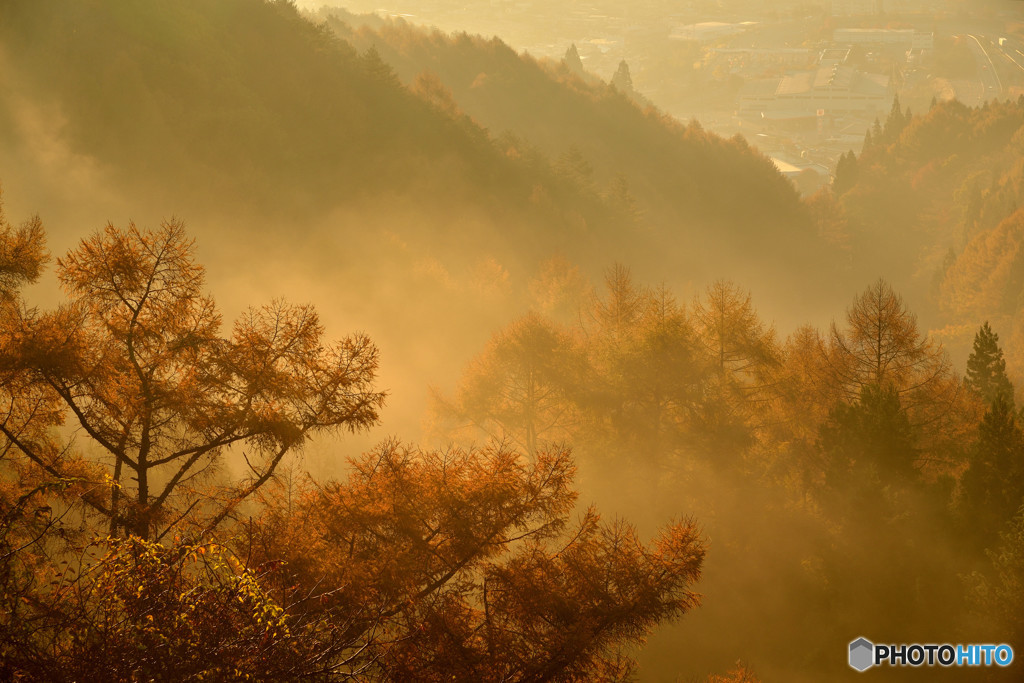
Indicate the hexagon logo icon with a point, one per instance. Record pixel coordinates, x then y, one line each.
862 654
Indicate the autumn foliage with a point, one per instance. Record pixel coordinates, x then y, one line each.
133 560
799 450
467 563
126 609
136 360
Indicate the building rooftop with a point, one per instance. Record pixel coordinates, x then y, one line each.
785 168
835 77
796 83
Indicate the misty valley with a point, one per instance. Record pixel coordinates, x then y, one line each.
511 341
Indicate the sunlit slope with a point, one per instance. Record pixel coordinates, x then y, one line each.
681 180
244 102
941 193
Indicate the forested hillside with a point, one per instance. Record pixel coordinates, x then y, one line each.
184 103
678 179
134 542
186 100
937 194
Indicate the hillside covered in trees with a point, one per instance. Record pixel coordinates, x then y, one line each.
675 179
940 191
185 97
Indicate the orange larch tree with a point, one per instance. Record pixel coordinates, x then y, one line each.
465 564
135 359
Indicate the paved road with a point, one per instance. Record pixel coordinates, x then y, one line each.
991 85
1009 59
1013 52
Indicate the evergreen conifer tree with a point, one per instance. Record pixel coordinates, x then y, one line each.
622 81
986 368
846 173
992 489
572 60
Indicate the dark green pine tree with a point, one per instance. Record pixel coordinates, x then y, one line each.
992 488
375 66
896 121
846 173
986 368
622 81
869 452
572 60
872 434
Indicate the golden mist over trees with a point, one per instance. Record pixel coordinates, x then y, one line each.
822 441
137 558
537 297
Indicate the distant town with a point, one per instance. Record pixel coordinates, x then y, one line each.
802 81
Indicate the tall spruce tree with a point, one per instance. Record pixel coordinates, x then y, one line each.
622 81
992 489
846 173
896 121
871 433
572 60
986 368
